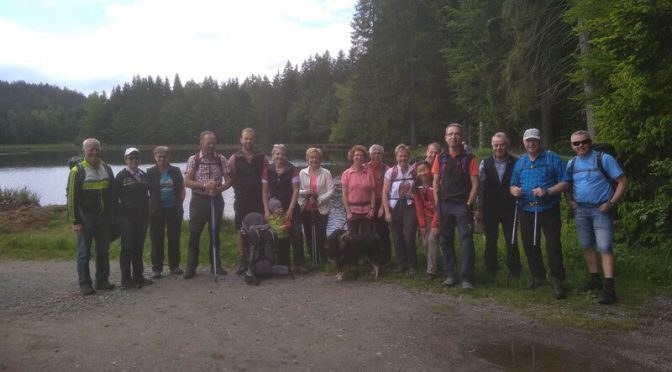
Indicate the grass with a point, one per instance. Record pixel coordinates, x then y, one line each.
641 277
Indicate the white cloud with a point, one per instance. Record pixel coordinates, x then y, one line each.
222 39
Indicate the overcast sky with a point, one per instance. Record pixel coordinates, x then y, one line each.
94 45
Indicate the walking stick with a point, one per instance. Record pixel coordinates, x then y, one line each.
314 238
515 221
536 213
213 233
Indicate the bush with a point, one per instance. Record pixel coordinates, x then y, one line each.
13 198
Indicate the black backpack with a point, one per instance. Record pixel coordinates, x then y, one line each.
260 241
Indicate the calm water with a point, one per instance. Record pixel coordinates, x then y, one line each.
46 174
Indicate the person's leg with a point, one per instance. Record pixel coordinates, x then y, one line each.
322 221
512 254
551 223
84 240
532 251
157 232
102 238
604 238
283 252
410 227
490 220
297 240
308 228
214 241
399 242
465 222
198 215
138 249
431 247
447 229
383 231
125 229
174 230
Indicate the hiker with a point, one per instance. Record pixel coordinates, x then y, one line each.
282 183
433 149
131 193
207 175
166 196
428 219
315 191
455 191
247 167
496 206
359 194
538 179
380 226
593 199
90 209
400 211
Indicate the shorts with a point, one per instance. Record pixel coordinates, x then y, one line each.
594 228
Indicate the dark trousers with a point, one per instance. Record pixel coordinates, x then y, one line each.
381 228
404 231
318 222
296 236
359 224
133 232
453 215
199 214
492 221
283 251
94 226
550 222
167 221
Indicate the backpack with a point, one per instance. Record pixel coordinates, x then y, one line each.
260 241
599 148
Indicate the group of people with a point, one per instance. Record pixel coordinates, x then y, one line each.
436 194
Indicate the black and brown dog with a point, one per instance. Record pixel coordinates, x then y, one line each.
346 249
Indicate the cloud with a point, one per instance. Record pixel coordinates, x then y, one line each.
199 38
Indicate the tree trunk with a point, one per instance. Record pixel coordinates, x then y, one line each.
546 118
587 88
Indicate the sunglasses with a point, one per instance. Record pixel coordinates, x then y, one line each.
579 143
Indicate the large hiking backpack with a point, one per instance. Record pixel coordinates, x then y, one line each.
261 252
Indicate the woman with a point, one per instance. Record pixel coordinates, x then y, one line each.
166 196
399 209
130 187
359 195
282 183
315 191
425 210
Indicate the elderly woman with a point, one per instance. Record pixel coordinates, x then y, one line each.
378 169
166 194
315 191
282 183
359 194
130 187
400 210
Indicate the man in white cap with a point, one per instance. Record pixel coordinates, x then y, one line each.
538 179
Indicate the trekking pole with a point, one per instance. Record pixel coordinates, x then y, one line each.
536 213
314 238
515 221
213 234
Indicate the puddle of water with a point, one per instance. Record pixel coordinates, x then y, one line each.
529 356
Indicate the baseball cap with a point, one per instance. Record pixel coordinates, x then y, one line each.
131 150
274 204
532 133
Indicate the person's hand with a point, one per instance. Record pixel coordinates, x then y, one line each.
433 232
288 217
605 207
381 212
78 229
478 215
369 215
348 216
267 215
516 191
572 204
538 192
388 217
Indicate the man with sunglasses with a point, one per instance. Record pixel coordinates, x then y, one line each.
592 176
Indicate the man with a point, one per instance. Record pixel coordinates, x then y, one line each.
90 204
247 168
205 175
593 200
378 169
455 191
538 179
496 206
433 149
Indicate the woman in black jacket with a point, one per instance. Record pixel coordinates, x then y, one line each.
130 187
166 194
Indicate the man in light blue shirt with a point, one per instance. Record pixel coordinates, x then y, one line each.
592 175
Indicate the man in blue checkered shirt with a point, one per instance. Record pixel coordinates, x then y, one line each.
538 180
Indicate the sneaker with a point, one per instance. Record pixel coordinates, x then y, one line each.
467 286
592 284
536 283
177 271
558 290
86 290
143 282
450 282
104 286
189 274
156 275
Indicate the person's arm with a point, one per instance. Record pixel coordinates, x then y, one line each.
473 174
329 186
293 201
386 200
190 176
621 186
74 189
419 211
372 197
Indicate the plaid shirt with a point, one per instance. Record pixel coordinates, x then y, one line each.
546 171
208 169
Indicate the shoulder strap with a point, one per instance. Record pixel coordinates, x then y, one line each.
395 173
600 166
570 172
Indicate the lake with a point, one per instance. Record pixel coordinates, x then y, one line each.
46 174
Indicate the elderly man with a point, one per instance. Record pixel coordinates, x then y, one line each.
378 169
247 169
433 149
90 203
205 175
496 206
538 179
592 175
455 191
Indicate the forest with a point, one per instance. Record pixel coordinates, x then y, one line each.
413 67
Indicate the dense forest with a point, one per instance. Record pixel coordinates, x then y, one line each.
413 67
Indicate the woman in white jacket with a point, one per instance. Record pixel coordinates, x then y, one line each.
314 194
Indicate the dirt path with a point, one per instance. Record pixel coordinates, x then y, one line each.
306 324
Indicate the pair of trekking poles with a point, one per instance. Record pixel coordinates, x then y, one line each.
515 221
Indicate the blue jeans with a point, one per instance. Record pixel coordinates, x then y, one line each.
94 226
594 228
453 215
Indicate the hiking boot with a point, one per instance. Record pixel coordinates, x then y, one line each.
450 282
176 271
104 286
467 285
411 272
86 290
592 284
536 283
156 275
429 276
558 290
608 295
189 274
143 282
